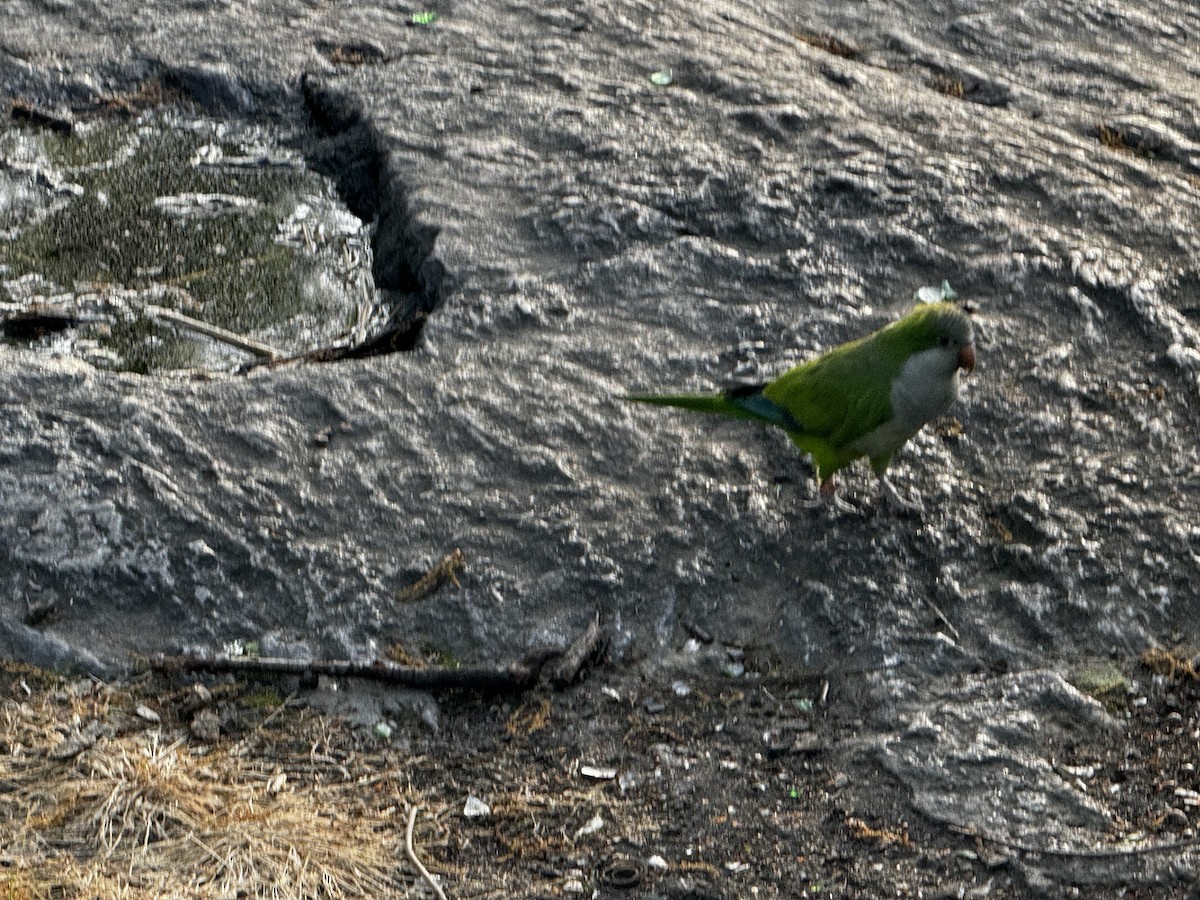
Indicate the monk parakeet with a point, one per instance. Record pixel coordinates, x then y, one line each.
864 398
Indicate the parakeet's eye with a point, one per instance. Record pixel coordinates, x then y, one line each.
944 341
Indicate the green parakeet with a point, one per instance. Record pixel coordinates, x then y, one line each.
864 398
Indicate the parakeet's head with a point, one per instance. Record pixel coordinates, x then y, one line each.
942 332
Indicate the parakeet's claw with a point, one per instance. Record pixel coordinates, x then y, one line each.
898 504
831 504
829 499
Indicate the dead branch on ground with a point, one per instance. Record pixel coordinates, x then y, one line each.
517 677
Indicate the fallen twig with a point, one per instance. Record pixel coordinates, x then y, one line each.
583 648
394 337
520 676
412 854
215 332
31 115
942 617
516 677
446 569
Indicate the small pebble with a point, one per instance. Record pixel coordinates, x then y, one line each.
475 808
599 773
1176 818
206 726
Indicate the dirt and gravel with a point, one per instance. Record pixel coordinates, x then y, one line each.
700 786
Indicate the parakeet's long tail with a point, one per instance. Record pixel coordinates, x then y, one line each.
746 402
706 403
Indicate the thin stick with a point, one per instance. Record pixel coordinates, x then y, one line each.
941 615
263 351
583 648
520 676
412 854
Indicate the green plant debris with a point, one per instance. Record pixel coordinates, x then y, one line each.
262 698
153 205
1102 680
440 656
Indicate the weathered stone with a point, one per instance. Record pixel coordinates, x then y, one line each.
577 230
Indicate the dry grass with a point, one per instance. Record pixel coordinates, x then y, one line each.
861 831
1112 138
1119 142
99 800
139 813
444 570
1171 664
948 85
827 42
149 94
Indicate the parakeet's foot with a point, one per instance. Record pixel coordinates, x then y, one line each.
828 498
898 504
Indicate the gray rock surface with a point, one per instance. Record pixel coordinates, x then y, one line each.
597 232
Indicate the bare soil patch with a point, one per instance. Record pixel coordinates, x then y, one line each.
704 787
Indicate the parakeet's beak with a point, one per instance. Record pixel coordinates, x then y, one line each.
966 357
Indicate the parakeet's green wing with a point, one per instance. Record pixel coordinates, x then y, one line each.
840 396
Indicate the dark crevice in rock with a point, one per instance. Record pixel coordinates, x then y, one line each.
349 150
339 142
346 149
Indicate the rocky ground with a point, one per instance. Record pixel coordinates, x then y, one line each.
569 203
704 785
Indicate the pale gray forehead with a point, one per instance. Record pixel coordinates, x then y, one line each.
958 325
